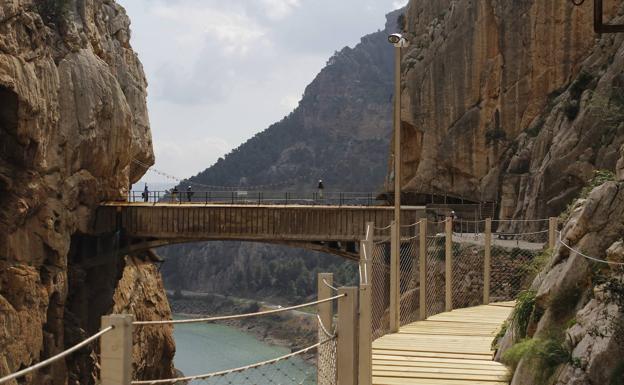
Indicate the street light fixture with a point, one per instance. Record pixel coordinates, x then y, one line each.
399 42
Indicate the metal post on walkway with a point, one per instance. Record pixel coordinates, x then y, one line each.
395 249
365 330
422 270
326 315
487 261
346 352
448 275
116 350
552 232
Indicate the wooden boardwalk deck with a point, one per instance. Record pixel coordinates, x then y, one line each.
447 349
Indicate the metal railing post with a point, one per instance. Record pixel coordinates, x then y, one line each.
116 350
395 249
365 331
325 312
552 232
422 270
487 261
448 271
346 352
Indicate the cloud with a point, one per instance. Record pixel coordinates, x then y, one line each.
221 71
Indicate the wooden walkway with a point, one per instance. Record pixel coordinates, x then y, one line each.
452 348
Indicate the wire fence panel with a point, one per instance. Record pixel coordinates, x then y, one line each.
326 361
409 280
380 296
509 271
435 275
293 370
467 273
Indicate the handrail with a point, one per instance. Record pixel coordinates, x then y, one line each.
589 257
229 371
236 316
56 357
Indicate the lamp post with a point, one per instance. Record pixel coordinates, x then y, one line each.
399 43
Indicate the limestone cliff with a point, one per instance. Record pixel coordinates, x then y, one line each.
72 118
509 101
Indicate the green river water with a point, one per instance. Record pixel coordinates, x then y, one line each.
206 348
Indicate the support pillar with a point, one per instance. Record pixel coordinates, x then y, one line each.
422 269
395 249
326 314
346 352
116 350
365 331
448 275
487 261
552 233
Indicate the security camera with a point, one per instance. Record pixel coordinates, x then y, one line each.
398 40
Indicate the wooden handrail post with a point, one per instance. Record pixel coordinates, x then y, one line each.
395 249
552 232
325 312
346 360
487 261
365 330
422 269
448 266
116 350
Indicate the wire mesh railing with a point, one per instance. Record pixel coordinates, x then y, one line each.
435 275
380 287
292 368
467 274
409 277
244 197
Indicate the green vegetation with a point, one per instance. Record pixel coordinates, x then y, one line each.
544 355
521 315
564 302
53 11
537 264
573 105
501 333
617 377
536 128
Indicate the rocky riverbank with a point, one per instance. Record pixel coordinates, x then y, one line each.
292 329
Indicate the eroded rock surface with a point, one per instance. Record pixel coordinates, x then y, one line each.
73 116
510 101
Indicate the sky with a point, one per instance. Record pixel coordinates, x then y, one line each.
220 71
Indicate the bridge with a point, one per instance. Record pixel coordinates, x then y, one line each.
335 229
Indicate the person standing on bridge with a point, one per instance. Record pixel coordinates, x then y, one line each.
145 194
320 188
189 193
174 193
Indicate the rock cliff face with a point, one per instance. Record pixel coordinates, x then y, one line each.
509 101
72 118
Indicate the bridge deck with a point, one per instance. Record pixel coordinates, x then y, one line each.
450 348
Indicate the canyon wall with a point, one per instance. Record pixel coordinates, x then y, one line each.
505 101
73 116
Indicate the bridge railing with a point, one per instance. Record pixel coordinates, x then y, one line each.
244 197
444 265
336 348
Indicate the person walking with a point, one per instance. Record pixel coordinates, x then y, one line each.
174 193
321 187
145 194
189 193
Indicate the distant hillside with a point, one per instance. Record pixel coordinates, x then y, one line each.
340 132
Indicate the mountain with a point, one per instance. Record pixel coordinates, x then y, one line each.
340 132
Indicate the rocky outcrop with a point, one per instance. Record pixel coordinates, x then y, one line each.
72 118
509 101
579 303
